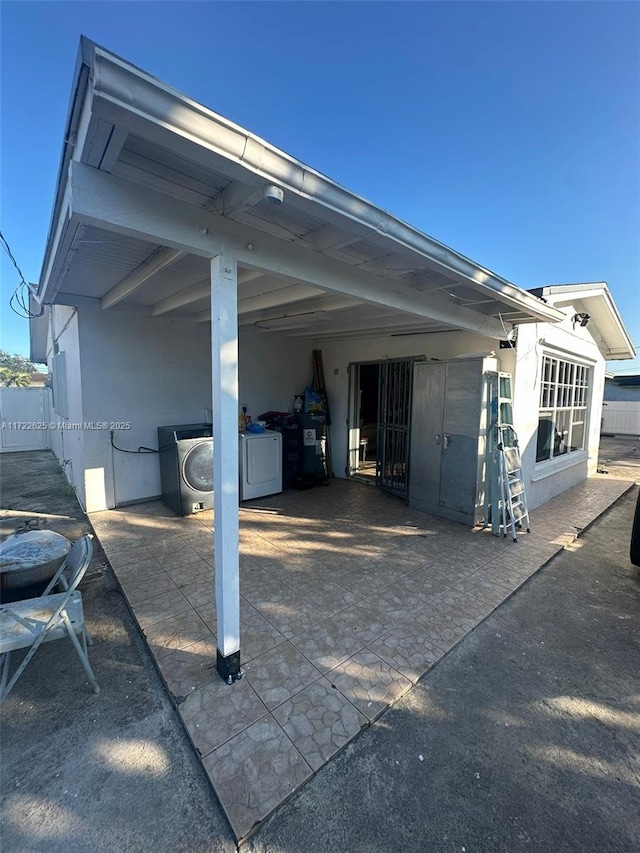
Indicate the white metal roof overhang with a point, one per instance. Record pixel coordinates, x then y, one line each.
152 184
605 324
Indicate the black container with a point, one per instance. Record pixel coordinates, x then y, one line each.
291 455
313 463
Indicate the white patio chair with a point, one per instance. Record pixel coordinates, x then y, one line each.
27 624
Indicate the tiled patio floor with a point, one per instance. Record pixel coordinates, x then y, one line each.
347 598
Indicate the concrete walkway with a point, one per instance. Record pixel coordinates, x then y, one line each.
526 737
113 772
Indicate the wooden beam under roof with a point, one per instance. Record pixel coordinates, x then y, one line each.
158 260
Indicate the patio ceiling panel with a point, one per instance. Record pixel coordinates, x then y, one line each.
386 329
330 307
141 163
288 288
293 220
184 273
267 222
99 259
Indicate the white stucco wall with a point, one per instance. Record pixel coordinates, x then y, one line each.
153 372
143 373
272 369
67 443
544 480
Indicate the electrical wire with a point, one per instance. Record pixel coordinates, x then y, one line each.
19 296
141 450
13 260
56 337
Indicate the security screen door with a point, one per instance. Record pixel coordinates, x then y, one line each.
396 381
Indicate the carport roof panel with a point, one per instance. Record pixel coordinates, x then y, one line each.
147 132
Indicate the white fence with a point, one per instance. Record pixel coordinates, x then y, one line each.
25 414
621 417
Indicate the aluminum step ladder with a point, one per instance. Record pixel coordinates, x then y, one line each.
513 503
505 504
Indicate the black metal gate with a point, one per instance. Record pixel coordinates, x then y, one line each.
396 379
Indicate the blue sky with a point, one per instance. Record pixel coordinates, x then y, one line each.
509 130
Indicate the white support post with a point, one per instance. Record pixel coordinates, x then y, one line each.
224 369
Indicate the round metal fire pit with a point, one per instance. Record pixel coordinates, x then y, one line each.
31 558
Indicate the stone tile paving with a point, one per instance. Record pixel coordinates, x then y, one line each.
319 720
369 682
347 598
214 714
255 771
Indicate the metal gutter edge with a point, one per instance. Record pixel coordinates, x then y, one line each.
81 79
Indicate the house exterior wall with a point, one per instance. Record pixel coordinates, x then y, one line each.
621 393
272 370
138 374
544 480
143 373
67 442
147 372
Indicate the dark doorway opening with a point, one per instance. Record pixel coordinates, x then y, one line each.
379 451
368 420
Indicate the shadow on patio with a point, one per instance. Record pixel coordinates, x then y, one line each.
347 599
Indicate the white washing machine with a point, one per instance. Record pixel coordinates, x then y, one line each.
260 464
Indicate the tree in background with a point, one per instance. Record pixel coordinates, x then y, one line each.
15 370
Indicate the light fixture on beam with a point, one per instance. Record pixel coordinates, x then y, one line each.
291 321
582 318
273 194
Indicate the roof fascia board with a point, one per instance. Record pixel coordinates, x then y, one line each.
64 239
106 201
133 91
81 81
552 289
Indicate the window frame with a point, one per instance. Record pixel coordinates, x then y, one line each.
566 384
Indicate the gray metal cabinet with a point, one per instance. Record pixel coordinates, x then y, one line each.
447 438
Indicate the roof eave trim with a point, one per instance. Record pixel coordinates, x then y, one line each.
619 350
81 81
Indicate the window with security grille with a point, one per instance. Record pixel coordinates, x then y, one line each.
562 421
